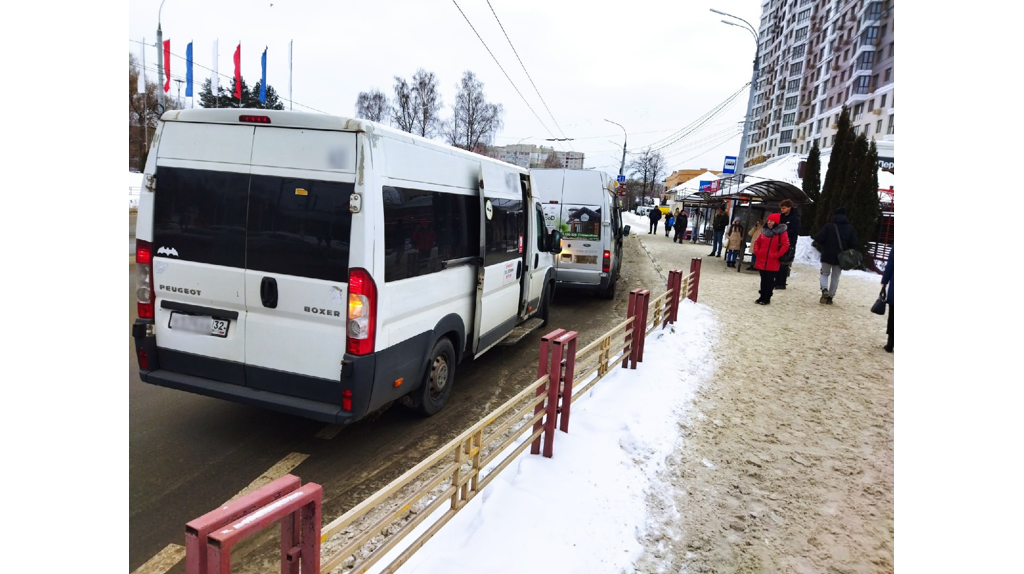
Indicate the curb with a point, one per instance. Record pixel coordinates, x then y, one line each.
650 256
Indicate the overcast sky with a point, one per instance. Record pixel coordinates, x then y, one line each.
652 66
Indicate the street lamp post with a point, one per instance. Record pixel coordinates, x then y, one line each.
747 120
622 165
160 58
179 81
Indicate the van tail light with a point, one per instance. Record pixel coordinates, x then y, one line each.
143 359
144 278
606 266
362 312
346 400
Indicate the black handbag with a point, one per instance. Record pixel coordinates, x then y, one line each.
850 258
879 307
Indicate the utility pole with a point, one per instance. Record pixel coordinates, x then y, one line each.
179 81
741 157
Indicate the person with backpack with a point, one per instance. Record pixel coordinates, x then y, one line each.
835 237
680 226
670 219
769 247
655 216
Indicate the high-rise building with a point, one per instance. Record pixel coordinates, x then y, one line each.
816 56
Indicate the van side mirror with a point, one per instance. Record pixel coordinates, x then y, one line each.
625 231
555 242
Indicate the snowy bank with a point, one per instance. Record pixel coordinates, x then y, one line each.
587 508
806 254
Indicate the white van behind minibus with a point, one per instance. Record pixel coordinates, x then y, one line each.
582 205
325 266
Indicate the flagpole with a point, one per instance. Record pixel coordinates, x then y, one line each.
145 102
290 74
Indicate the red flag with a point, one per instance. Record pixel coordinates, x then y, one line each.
167 65
238 71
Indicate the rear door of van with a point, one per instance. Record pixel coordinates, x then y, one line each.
199 218
581 215
297 266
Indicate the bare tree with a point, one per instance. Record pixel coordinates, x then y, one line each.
648 168
552 160
143 114
403 114
474 120
426 100
373 106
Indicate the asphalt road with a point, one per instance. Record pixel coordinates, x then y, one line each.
189 454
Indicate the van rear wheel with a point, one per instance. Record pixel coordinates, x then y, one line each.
609 292
437 383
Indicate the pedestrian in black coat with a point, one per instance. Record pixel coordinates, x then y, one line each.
791 219
655 217
887 279
837 235
680 227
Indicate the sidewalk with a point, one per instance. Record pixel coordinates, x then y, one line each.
787 460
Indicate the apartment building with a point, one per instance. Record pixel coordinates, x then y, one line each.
529 155
816 56
570 159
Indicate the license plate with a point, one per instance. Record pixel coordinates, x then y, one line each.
586 259
199 324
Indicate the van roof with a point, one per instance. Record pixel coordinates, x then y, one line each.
577 186
307 120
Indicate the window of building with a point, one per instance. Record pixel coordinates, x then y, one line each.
892 128
871 105
892 46
833 85
788 120
791 102
783 150
888 74
874 12
846 55
796 68
882 105
878 128
867 37
798 51
803 16
866 60
801 33
856 130
816 142
863 85
793 86
786 135
820 123
830 102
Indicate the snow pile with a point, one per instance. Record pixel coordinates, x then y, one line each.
586 509
806 254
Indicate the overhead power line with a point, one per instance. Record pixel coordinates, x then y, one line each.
682 133
527 73
502 69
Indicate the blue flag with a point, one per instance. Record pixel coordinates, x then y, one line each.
188 71
263 82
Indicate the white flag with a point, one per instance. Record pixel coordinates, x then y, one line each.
214 77
142 71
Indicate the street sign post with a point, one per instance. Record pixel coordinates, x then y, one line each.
730 164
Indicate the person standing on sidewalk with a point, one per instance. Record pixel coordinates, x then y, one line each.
655 216
791 219
836 236
669 221
769 247
734 243
696 226
718 225
754 233
888 280
680 226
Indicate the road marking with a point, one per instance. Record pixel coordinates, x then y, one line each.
163 561
283 467
329 432
174 553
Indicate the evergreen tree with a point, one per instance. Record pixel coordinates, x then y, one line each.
862 206
811 188
250 97
837 177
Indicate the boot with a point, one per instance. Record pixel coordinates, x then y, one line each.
829 302
824 297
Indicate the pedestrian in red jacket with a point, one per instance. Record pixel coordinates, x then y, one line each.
770 246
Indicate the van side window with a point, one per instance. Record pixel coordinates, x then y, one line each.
504 231
422 229
542 230
299 227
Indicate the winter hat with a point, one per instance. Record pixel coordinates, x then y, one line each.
841 211
775 217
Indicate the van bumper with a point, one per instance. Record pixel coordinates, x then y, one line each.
599 283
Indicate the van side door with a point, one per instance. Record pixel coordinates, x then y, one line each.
499 285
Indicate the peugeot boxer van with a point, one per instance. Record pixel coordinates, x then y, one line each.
325 266
582 205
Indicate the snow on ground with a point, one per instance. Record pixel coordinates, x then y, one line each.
587 508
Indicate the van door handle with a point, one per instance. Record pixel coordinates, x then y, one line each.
519 269
268 292
536 260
